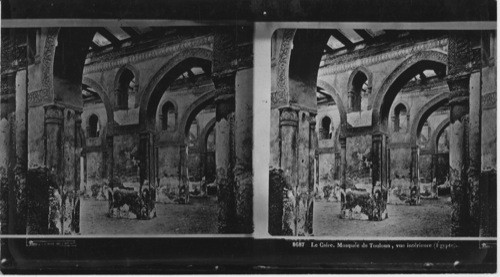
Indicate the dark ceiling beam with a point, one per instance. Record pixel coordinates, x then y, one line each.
328 96
131 32
342 38
94 46
329 50
109 36
364 34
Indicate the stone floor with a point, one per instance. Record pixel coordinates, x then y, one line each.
431 219
198 217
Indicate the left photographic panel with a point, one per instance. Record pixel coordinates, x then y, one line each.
130 130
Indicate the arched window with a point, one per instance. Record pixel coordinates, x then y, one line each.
358 88
400 118
93 127
326 128
126 90
169 116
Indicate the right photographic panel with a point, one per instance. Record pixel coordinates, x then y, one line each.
383 133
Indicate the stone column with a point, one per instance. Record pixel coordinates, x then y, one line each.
109 157
414 168
474 151
243 141
289 121
388 166
145 159
78 149
54 118
224 151
379 178
343 170
7 157
75 222
458 82
224 67
377 159
309 199
152 160
21 137
183 175
316 172
434 163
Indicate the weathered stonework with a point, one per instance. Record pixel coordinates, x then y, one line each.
334 66
281 96
111 61
458 81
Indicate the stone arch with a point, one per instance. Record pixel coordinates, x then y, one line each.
338 101
163 77
437 133
202 143
68 60
398 78
298 62
193 110
424 112
104 97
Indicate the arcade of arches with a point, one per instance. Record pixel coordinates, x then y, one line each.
393 128
150 112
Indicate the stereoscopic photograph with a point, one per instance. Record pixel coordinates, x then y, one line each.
383 133
126 130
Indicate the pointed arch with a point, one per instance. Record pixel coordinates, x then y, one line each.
117 85
340 105
424 112
105 99
437 133
364 70
156 86
202 143
398 78
193 110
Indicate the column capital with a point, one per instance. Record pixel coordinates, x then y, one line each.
289 116
312 121
459 88
225 84
343 142
145 134
54 113
78 117
378 134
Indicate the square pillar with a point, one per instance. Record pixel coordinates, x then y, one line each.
459 68
225 152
